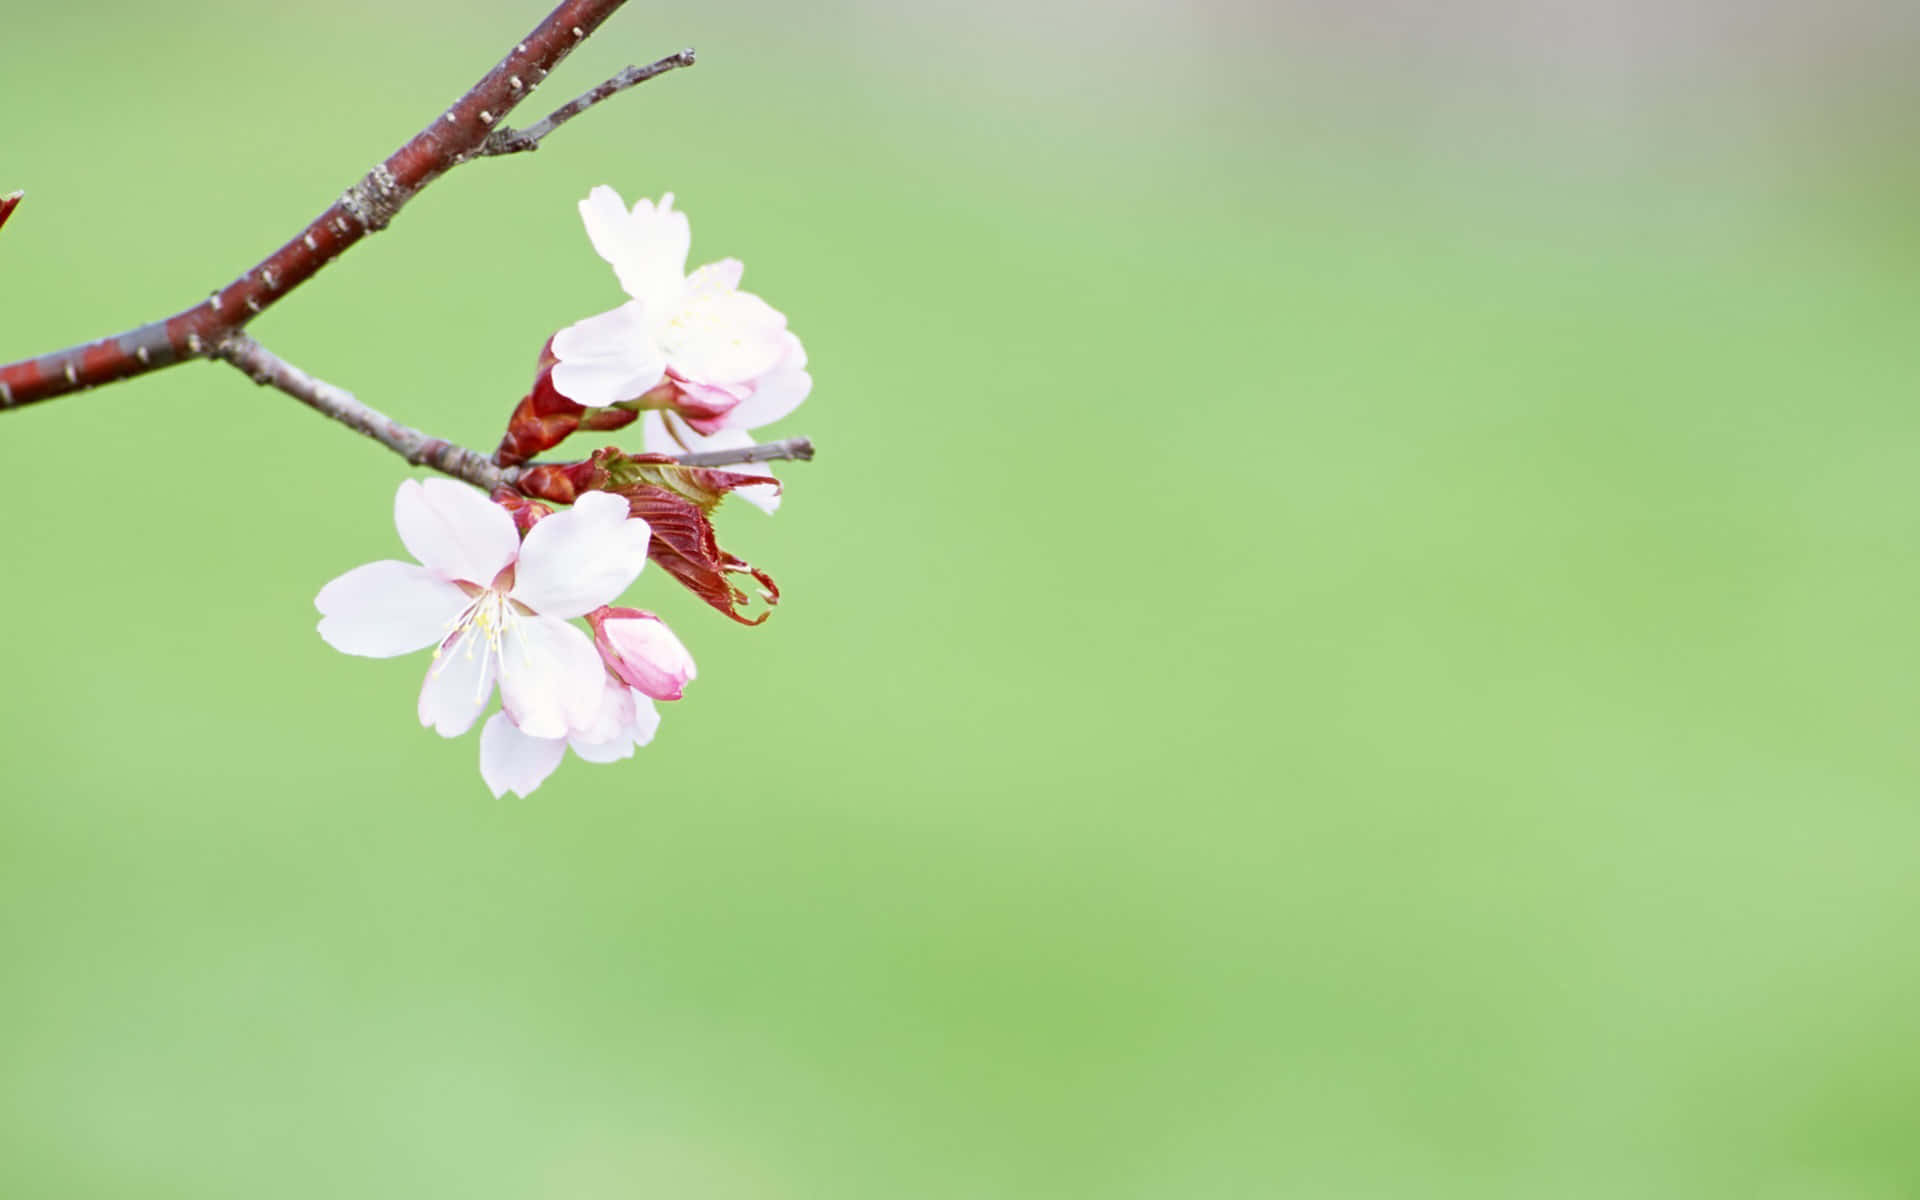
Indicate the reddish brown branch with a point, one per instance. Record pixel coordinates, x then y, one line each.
8 203
454 137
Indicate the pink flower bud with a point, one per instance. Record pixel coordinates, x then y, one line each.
641 651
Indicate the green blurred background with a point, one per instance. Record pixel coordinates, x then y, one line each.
1352 633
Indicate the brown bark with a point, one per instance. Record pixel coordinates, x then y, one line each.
453 137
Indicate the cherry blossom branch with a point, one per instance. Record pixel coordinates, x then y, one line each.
8 203
265 367
513 141
454 137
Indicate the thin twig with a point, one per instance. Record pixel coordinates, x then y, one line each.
793 449
453 137
513 141
265 367
8 203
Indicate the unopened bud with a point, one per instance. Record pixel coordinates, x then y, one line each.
641 651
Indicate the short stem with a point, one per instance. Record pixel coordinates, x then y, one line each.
795 449
513 141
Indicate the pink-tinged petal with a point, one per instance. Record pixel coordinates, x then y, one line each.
607 739
607 358
646 720
777 393
603 752
577 560
707 404
550 676
646 247
511 761
454 529
613 714
387 608
458 684
645 654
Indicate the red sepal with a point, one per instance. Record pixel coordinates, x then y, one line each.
544 418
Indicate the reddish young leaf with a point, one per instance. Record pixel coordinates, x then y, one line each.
684 544
705 486
675 501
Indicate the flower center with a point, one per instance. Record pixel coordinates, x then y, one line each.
702 315
483 628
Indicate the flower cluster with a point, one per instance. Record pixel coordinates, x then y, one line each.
497 583
703 363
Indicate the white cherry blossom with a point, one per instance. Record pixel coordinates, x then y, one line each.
710 362
496 608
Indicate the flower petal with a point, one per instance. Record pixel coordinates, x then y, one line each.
658 436
611 715
646 720
607 739
777 393
458 684
604 214
727 337
551 678
607 358
387 608
511 761
454 529
647 247
715 278
603 752
577 560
